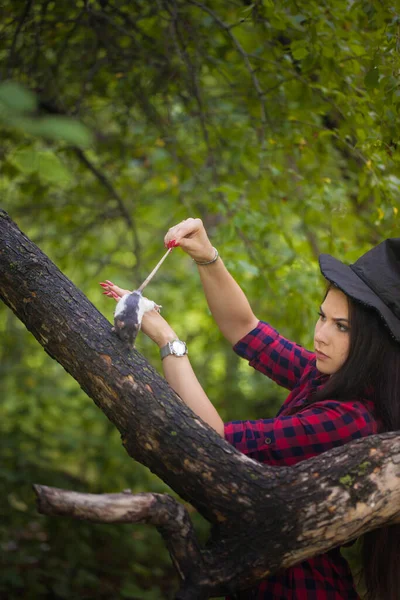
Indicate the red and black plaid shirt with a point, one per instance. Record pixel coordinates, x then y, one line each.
286 440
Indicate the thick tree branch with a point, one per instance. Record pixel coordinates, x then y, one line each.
304 510
169 516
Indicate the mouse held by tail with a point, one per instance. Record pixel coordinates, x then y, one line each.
128 316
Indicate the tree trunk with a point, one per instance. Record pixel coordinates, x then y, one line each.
301 511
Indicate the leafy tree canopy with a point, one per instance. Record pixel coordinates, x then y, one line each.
275 122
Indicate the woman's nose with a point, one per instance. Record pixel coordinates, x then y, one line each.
322 335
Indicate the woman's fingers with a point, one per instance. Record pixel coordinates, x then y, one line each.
171 244
112 295
191 236
186 228
178 231
113 291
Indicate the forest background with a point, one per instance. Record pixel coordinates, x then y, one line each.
275 122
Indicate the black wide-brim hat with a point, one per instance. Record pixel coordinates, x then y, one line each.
373 280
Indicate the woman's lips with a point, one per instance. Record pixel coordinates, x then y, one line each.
320 355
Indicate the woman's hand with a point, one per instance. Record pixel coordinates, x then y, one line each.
113 291
191 236
153 324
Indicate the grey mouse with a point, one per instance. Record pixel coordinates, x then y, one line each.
131 308
128 315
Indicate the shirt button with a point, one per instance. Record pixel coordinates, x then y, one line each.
268 440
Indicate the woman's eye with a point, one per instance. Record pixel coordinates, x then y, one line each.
340 326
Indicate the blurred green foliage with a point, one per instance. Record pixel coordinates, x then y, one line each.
275 122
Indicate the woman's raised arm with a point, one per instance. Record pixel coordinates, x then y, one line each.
227 302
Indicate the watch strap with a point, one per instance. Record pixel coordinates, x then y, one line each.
167 349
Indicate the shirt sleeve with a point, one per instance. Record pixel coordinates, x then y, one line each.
275 356
286 440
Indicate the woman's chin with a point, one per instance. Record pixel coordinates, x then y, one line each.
323 367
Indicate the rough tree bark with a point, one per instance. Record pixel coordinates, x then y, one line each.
264 518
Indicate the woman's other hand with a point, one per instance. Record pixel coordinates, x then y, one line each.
191 236
113 291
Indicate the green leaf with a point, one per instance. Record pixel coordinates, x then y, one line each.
357 49
51 169
371 79
46 164
66 130
299 49
248 268
300 53
17 98
328 51
297 19
25 160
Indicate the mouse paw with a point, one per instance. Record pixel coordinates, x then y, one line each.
157 307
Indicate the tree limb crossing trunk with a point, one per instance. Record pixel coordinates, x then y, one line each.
302 511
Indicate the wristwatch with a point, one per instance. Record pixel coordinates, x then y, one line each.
176 347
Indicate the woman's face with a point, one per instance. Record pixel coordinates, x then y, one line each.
332 333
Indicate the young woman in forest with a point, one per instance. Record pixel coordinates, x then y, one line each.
347 388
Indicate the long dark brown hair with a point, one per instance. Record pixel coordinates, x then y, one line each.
373 363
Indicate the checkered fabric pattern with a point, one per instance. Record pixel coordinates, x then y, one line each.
285 440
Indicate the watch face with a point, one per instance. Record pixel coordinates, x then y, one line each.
179 348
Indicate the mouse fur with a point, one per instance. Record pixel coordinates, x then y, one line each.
128 315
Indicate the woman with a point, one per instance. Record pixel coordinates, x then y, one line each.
348 388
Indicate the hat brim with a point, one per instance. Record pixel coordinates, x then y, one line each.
343 277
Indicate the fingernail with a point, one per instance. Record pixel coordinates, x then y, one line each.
109 282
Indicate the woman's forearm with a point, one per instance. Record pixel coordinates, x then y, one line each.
177 369
179 373
181 377
227 302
